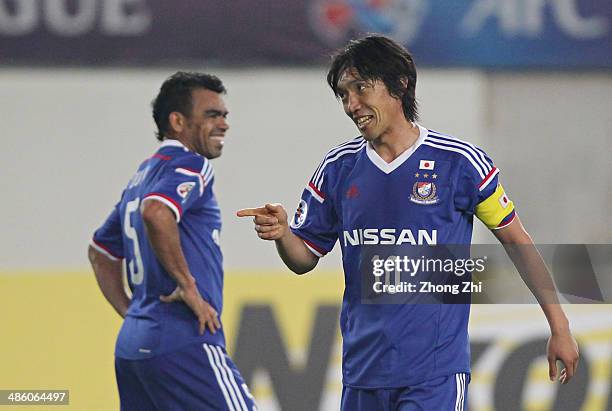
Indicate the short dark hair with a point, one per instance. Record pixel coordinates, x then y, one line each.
379 58
175 94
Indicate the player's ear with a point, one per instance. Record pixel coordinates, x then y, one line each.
177 121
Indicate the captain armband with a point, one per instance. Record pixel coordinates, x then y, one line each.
497 211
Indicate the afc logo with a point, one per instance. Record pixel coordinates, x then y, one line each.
300 215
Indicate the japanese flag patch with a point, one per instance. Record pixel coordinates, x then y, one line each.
427 165
503 199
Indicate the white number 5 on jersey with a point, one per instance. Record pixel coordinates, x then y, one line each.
135 264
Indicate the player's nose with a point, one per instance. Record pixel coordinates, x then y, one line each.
223 124
352 105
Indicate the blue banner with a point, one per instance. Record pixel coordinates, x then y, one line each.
495 33
498 34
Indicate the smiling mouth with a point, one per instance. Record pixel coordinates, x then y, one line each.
363 121
218 139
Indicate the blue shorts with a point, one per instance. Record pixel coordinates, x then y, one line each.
199 377
441 394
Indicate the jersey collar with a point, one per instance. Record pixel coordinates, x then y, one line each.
389 167
172 143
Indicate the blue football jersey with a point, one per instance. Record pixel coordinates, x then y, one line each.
427 196
183 180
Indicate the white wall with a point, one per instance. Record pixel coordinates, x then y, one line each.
72 138
553 139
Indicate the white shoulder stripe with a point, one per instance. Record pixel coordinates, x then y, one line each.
456 150
205 166
210 173
476 149
352 149
437 133
353 142
207 171
334 150
348 144
484 165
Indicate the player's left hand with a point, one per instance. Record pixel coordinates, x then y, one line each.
562 346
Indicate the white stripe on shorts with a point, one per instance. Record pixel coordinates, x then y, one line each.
460 382
223 371
218 376
232 379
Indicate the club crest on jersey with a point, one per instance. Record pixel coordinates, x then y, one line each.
300 215
184 189
424 192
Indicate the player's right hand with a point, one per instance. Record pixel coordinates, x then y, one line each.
206 314
270 220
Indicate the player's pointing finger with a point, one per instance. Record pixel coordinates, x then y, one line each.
252 212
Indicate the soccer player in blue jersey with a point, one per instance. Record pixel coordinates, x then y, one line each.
399 183
170 352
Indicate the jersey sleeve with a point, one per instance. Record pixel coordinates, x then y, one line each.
315 220
480 193
108 239
185 180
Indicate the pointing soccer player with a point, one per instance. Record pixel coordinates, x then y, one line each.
170 352
396 183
